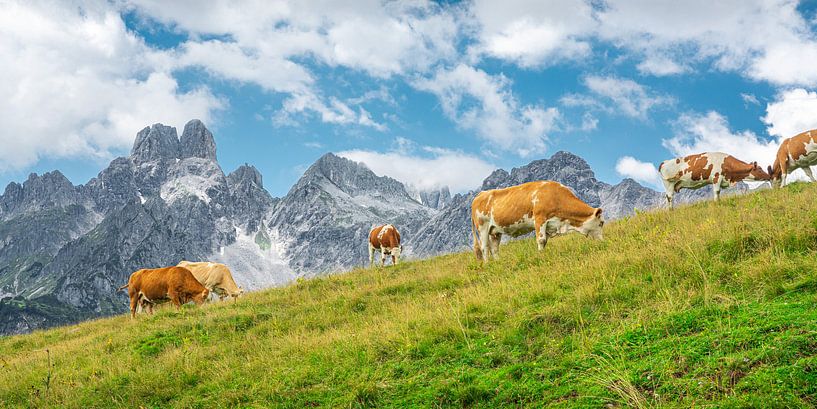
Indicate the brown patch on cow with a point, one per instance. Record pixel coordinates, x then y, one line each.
698 166
389 239
677 160
176 284
735 170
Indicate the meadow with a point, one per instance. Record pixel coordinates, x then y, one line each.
713 304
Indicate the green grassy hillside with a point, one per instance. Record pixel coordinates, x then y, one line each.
708 304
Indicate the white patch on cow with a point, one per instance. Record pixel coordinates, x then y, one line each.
806 160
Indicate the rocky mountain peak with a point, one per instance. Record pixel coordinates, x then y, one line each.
197 141
351 177
245 174
155 143
496 179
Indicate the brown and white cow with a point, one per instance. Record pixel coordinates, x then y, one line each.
709 168
385 239
797 152
548 208
176 284
215 277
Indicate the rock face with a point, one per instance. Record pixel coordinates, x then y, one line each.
197 141
64 249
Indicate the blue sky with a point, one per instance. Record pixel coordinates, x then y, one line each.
432 94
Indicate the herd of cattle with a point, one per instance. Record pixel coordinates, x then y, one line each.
546 208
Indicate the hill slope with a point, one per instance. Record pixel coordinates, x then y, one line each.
712 303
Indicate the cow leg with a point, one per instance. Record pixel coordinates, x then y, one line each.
393 260
716 188
807 170
540 229
496 238
382 258
134 302
670 193
371 255
484 237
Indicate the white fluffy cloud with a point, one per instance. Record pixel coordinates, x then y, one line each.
430 168
644 172
484 103
532 33
77 83
792 112
755 37
613 94
710 132
265 43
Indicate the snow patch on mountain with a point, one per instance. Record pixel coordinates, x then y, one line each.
256 260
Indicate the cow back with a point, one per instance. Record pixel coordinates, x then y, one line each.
385 236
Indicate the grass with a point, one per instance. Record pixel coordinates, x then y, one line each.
709 305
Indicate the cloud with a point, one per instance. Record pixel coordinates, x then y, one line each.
710 132
792 112
333 111
430 168
77 83
479 102
272 45
613 94
749 99
661 65
643 172
749 37
532 33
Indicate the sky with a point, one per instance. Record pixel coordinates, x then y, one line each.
431 93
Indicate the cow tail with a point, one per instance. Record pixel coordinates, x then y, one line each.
477 246
122 288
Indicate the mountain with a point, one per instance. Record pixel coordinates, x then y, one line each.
64 249
326 217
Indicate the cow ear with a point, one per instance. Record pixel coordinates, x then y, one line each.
769 169
598 212
754 165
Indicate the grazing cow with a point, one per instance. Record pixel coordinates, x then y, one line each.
548 208
215 277
797 152
709 168
386 239
177 284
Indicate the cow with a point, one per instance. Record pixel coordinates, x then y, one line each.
709 168
386 239
215 277
548 208
797 152
177 284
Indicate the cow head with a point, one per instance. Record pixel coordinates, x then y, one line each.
592 227
395 253
237 293
201 297
757 173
